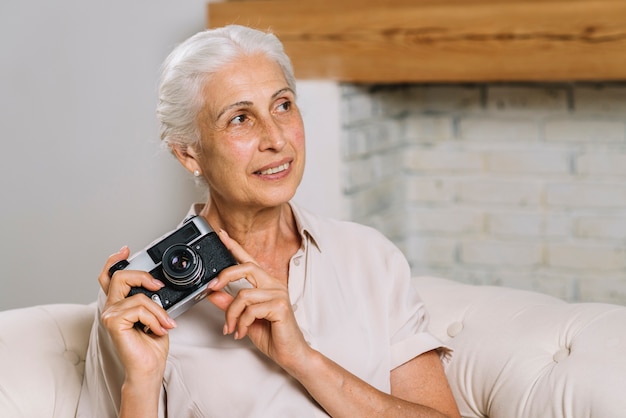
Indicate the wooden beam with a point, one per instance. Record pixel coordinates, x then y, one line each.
397 41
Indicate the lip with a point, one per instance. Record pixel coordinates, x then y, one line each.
288 162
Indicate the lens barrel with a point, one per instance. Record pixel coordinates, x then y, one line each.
182 266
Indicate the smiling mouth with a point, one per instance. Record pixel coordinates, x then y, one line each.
274 170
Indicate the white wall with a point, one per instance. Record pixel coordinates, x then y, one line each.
82 173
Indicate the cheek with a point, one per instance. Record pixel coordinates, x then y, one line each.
227 161
297 133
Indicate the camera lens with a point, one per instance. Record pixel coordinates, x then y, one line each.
181 265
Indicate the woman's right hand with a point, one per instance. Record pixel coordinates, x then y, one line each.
142 354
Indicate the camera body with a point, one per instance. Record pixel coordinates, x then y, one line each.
185 260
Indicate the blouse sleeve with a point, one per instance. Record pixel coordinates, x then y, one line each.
410 336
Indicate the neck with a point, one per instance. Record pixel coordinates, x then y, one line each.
269 235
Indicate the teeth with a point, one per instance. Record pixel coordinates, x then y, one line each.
275 169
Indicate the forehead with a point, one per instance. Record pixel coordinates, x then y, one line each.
245 75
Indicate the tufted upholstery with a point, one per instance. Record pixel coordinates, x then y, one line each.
42 357
517 354
525 354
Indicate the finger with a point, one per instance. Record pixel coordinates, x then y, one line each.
104 279
122 281
249 271
137 308
220 299
237 250
242 307
274 310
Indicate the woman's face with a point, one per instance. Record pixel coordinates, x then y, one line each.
252 135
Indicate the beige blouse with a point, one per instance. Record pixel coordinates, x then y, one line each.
353 299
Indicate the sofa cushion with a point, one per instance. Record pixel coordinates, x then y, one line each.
526 354
42 358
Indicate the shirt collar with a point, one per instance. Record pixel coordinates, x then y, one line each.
304 221
306 226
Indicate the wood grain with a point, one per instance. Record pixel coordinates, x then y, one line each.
396 41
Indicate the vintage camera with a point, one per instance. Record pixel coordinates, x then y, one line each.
185 260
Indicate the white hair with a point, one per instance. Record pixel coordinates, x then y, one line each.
190 64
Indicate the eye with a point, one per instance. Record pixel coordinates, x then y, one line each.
239 119
284 106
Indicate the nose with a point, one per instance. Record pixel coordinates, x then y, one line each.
272 136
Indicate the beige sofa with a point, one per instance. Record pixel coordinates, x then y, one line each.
517 354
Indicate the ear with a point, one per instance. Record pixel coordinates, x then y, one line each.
187 156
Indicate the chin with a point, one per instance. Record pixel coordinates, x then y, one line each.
278 197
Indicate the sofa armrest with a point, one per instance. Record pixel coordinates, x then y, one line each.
525 354
42 358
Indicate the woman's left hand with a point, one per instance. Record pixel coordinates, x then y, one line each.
263 312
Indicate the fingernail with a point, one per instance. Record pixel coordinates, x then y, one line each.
212 284
158 282
225 329
124 248
172 322
236 335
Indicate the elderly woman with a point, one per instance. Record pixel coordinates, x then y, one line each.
330 325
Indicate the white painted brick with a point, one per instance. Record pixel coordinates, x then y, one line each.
445 220
431 251
356 107
601 99
532 98
585 256
427 129
498 128
562 286
501 253
371 138
358 174
601 227
550 178
388 163
604 290
391 222
431 98
430 190
535 162
521 224
601 164
376 198
529 224
529 278
390 101
386 136
354 143
439 159
514 192
586 195
559 225
577 129
352 89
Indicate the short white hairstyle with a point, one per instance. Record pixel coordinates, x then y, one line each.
190 64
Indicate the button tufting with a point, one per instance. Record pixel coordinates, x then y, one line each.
561 355
72 357
455 329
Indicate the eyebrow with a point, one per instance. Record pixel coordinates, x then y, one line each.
246 103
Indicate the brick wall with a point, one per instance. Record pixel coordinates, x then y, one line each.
517 185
